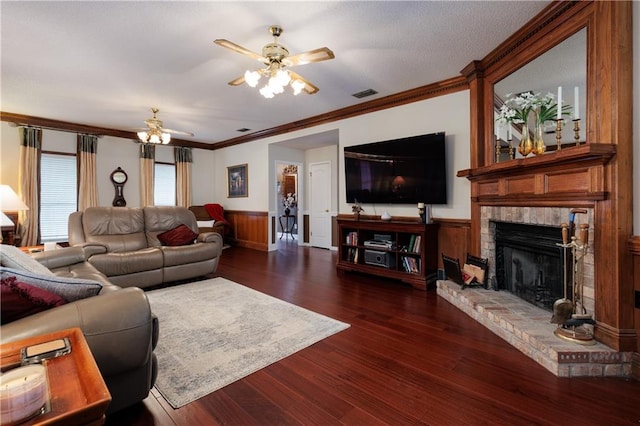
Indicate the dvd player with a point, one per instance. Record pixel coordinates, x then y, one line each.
389 245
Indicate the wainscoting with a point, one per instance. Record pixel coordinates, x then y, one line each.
454 236
249 229
634 248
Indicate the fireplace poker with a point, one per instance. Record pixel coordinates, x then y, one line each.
563 308
572 217
578 287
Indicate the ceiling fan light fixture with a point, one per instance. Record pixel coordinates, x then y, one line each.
267 92
297 86
276 58
154 136
252 78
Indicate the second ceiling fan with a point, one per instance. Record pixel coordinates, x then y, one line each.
276 57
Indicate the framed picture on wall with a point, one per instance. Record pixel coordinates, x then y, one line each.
237 180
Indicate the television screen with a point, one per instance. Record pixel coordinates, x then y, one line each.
399 171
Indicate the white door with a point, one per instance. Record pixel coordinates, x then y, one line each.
320 205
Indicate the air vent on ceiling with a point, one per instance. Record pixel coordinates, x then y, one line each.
244 129
364 93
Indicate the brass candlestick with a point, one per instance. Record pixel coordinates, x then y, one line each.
512 151
559 133
497 149
576 131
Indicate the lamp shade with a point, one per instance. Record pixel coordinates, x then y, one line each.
9 200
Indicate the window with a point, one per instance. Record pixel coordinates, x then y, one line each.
164 185
58 195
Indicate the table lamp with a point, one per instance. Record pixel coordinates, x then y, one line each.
9 202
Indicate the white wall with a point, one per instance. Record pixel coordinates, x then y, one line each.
112 153
449 113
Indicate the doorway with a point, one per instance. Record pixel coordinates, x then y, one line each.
288 202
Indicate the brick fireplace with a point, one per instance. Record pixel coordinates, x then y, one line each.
524 325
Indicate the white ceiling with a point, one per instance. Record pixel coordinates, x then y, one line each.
106 64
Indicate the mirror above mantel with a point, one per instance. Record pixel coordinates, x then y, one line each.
564 65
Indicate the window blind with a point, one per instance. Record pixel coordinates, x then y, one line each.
58 195
164 187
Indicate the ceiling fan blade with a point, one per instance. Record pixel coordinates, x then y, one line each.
237 82
316 55
239 49
177 132
308 87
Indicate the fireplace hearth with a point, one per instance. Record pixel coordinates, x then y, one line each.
529 263
521 323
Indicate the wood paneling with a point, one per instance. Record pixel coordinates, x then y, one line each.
598 174
634 248
249 229
454 238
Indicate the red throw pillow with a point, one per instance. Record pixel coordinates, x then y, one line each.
179 236
19 300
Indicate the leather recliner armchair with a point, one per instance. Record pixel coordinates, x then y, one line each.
118 324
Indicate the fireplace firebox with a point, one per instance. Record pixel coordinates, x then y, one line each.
530 264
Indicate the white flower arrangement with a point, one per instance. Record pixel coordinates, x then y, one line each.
289 201
516 109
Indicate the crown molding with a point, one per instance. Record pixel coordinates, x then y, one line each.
440 88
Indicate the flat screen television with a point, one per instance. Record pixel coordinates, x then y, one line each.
399 171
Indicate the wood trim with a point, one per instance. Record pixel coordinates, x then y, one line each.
454 239
444 87
249 229
598 174
634 249
441 88
66 126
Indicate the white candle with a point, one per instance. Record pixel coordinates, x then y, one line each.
559 103
576 103
509 134
23 392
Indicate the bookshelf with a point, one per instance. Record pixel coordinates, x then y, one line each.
411 256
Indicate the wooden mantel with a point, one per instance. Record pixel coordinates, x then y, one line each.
572 174
598 174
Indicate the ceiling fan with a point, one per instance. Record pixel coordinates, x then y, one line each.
276 57
155 133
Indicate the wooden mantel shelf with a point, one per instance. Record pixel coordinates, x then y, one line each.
569 175
593 152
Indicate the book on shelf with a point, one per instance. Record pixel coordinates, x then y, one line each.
417 245
411 264
352 238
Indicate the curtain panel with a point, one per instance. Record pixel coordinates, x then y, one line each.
29 191
183 156
147 162
87 171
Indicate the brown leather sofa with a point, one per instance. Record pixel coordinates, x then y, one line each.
118 324
123 244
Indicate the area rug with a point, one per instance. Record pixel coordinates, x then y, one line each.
215 332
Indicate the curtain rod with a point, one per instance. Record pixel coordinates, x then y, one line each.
14 124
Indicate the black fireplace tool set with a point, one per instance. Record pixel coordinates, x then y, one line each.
574 323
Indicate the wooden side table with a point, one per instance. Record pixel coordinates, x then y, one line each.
78 394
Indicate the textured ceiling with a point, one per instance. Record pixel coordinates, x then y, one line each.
107 63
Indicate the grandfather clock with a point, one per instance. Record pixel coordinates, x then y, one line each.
119 178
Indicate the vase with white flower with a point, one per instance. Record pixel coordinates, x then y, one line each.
289 202
521 108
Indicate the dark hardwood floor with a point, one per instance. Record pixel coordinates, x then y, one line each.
409 357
